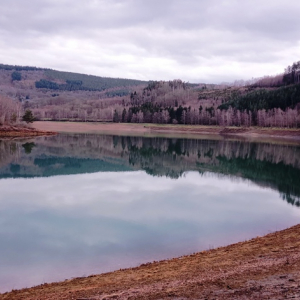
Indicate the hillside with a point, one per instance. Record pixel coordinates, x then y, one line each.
59 80
283 98
65 96
90 82
43 90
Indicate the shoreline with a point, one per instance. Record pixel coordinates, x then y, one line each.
177 131
260 268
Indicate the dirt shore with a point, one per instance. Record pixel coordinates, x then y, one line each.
263 268
22 131
190 131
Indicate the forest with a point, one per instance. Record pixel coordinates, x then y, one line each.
272 101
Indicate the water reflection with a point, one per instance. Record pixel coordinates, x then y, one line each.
111 214
274 166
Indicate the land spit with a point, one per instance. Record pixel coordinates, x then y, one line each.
8 131
262 268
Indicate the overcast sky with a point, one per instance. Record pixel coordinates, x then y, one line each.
194 40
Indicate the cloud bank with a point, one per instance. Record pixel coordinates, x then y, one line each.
197 41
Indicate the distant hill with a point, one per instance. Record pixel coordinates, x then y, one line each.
53 94
73 81
92 82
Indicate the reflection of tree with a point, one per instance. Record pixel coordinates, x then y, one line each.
294 200
275 166
28 147
9 151
284 178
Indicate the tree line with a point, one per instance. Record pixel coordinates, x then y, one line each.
20 68
209 116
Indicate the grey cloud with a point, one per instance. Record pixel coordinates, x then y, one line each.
186 33
53 16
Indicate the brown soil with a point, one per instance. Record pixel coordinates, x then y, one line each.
190 131
22 131
262 268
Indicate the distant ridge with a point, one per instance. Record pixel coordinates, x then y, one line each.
20 68
75 81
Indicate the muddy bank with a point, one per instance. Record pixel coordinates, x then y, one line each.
22 131
190 131
263 268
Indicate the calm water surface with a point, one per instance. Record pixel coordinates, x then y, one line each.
75 205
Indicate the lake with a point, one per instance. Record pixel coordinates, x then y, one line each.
74 205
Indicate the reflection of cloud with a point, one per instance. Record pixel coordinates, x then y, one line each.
194 40
80 224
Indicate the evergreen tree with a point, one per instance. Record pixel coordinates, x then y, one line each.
16 76
28 116
116 118
124 114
